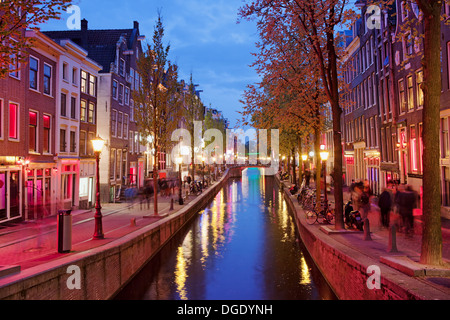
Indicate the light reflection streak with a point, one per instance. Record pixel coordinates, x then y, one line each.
305 275
183 260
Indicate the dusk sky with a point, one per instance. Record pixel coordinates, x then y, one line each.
205 40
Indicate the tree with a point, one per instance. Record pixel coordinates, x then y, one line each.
193 111
15 17
431 252
158 99
314 22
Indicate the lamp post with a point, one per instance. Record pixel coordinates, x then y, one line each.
180 197
324 156
203 172
98 144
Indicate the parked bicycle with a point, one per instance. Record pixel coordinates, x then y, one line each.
321 215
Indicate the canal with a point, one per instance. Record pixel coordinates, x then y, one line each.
242 246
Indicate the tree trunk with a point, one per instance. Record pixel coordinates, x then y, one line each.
337 143
432 235
318 163
294 174
300 162
155 181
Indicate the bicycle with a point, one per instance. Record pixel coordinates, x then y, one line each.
322 216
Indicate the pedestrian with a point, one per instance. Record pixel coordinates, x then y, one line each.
385 205
406 200
365 201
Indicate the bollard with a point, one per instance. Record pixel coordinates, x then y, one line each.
171 204
392 245
133 222
366 226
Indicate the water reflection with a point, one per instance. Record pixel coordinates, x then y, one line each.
242 246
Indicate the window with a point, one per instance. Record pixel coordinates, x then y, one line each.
420 148
413 149
14 66
91 112
73 107
401 96
410 93
34 68
13 121
125 127
127 96
63 105
131 144
404 11
83 111
90 149
113 122
47 79
65 71
131 110
444 138
119 125
132 78
112 164
408 45
122 67
118 164
92 85
121 93
114 89
47 134
32 132
84 87
419 81
62 140
73 145
74 76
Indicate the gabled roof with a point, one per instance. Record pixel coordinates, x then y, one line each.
100 44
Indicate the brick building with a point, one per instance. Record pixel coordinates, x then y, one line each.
116 50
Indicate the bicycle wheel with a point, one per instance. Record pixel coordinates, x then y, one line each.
311 217
321 217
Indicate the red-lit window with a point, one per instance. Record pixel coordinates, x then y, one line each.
47 132
420 148
413 149
32 132
13 121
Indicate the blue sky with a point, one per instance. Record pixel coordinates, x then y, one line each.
205 40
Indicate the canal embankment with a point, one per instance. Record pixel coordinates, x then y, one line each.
359 269
98 272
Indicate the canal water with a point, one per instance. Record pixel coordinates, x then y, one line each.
243 246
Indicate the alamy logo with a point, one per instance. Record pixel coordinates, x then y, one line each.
259 152
374 280
74 280
74 21
374 19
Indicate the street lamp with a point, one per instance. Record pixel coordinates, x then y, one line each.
98 144
179 161
324 156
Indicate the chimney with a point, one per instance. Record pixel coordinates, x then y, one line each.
84 33
136 25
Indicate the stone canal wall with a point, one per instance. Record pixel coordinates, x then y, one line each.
107 269
344 268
